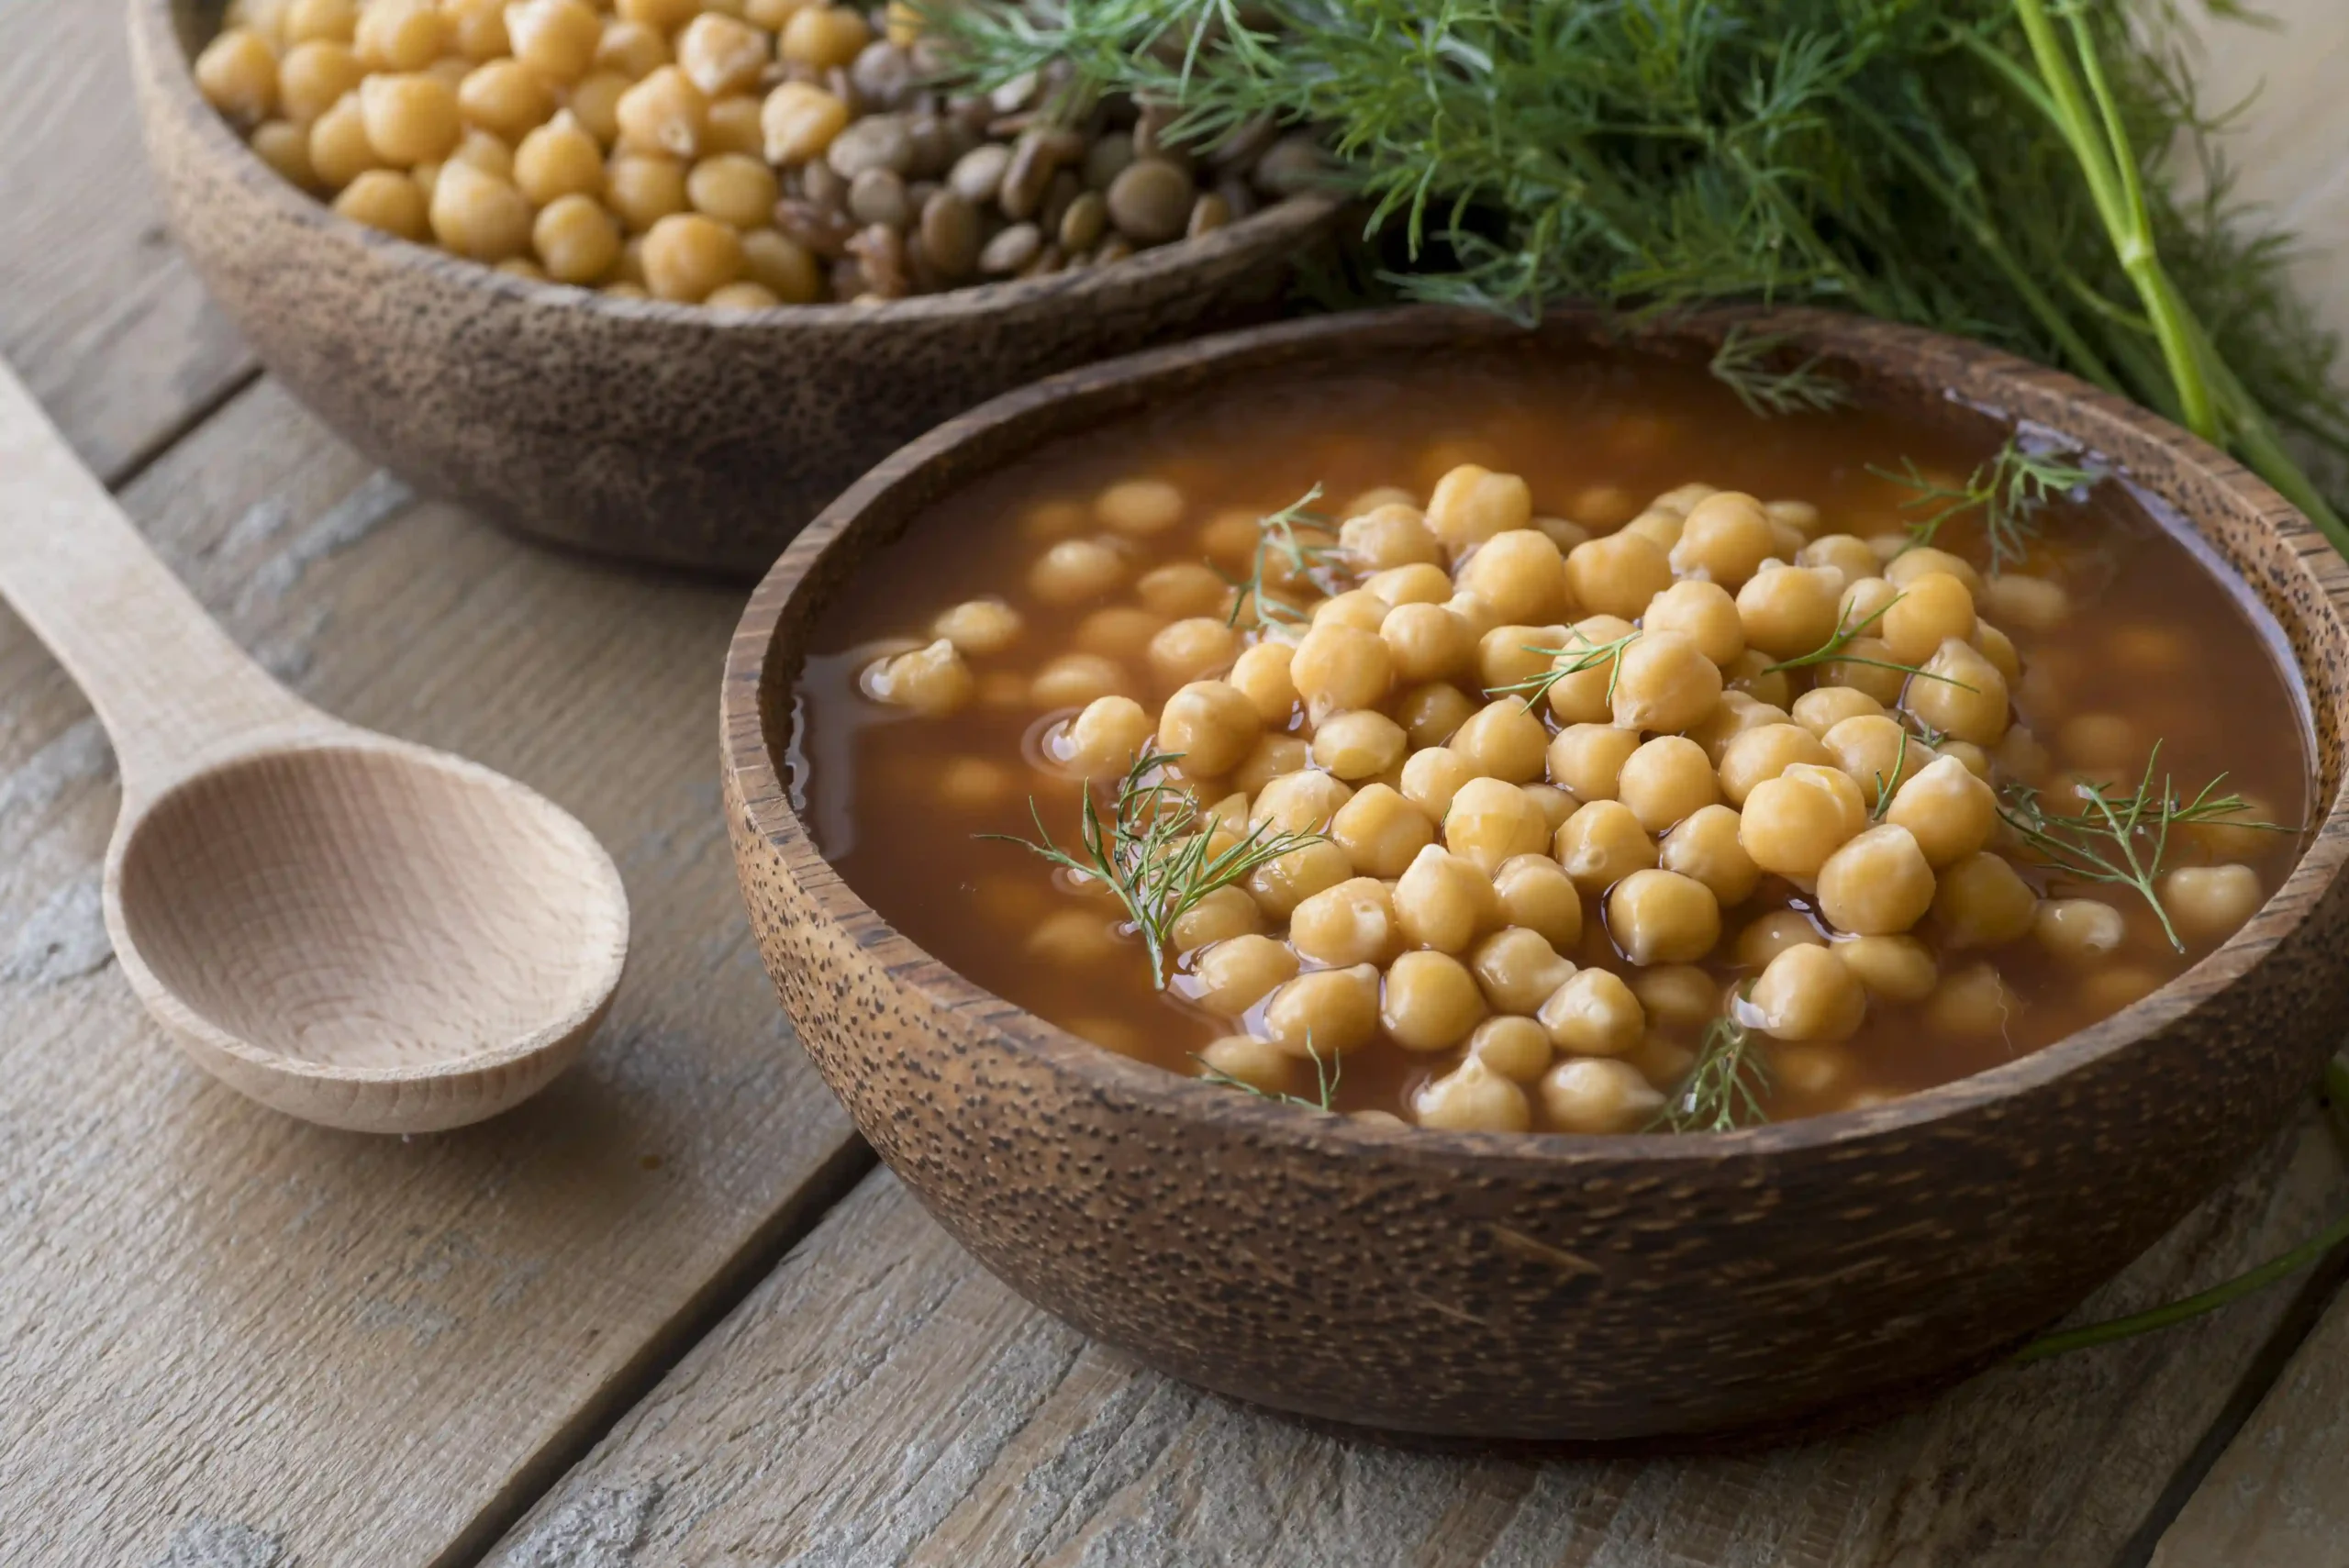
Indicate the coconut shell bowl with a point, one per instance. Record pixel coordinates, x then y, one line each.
1547 1287
658 432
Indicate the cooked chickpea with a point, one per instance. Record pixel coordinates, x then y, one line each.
1280 885
1380 832
1520 574
1425 642
1961 694
2109 990
1234 975
1878 885
1473 1097
1210 724
1536 893
1593 1013
2078 931
1982 903
688 257
1864 604
2234 835
1849 557
1259 1063
1502 740
2034 604
1972 758
979 626
1616 575
1592 654
1933 607
1554 805
1139 508
1340 668
1490 821
1790 823
1441 901
1184 589
1356 607
1225 913
2018 755
2100 741
1432 712
1417 584
1947 809
1703 613
1821 708
576 241
1914 562
1514 655
1516 1049
1601 844
1350 923
1665 781
1519 969
1806 994
483 151
1878 755
1897 968
1471 505
1073 938
1389 536
1738 713
1103 740
721 54
1751 673
1789 611
1298 802
974 784
1071 679
2210 903
478 214
933 681
1677 996
1999 649
1192 649
504 97
1974 1001
1431 1002
1261 675
1359 745
1432 776
1759 755
1594 1096
1769 936
1664 684
382 200
1662 916
1725 539
1076 570
1704 847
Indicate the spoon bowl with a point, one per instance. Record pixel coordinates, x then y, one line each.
354 929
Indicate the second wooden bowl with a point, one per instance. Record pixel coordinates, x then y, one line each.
631 427
1546 1287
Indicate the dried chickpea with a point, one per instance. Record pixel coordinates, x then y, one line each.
1425 642
1982 903
1074 570
1821 708
1234 975
663 113
1071 679
1502 740
1725 539
1432 712
1601 844
1279 885
1947 808
824 37
1389 536
1520 574
1431 1002
1594 1096
391 202
1259 1063
1536 893
1593 1013
1703 613
2210 903
1664 682
2034 604
339 149
799 121
1380 832
933 681
1661 916
1441 901
1471 505
688 257
556 39
1806 994
486 153
1210 724
1616 575
644 188
666 15
1764 753
631 51
1665 781
1790 823
1432 776
1878 885
504 97
1518 1049
1473 1097
334 21
1897 968
1677 996
1933 607
1765 937
286 147
478 214
559 158
399 34
734 188
1974 1001
1518 970
721 54
313 77
1788 610
1704 847
1913 561
1298 802
1878 755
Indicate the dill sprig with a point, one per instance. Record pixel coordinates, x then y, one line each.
2122 840
1326 1075
1883 789
1276 539
1744 364
1588 656
2009 489
1836 650
1153 852
1723 1087
2035 173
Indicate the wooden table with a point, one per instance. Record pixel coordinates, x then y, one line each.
671 1312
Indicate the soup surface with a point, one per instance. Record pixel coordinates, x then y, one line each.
1660 776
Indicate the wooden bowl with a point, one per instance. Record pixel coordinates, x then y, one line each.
1546 1287
631 427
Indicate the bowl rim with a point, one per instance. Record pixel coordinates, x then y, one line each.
161 58
751 754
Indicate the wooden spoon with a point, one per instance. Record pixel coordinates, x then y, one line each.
352 929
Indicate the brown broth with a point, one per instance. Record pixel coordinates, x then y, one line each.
2155 635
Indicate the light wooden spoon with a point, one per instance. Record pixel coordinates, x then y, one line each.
352 929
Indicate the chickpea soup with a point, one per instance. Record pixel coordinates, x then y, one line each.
1510 744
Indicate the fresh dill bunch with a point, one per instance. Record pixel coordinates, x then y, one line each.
1154 850
2122 839
1723 1087
2004 170
2007 491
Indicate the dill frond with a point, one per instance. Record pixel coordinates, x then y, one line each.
1742 363
1836 650
1723 1088
1589 655
1327 1074
1276 536
2008 491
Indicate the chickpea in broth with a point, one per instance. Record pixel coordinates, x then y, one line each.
1584 754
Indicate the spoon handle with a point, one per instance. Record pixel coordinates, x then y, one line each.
173 691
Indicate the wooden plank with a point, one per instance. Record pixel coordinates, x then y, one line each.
882 1402
100 315
230 1333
